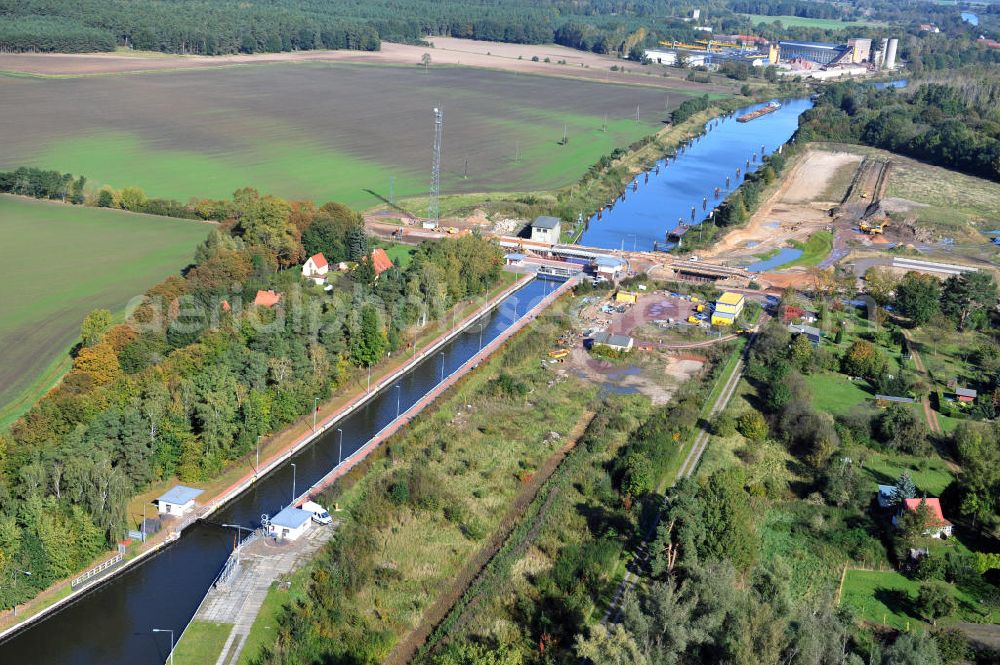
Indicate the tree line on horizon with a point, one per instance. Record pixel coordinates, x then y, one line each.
197 373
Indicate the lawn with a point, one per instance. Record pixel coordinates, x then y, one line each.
802 22
290 129
833 393
201 643
400 254
59 263
887 598
930 474
814 250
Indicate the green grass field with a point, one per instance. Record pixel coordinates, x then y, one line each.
202 643
295 131
887 598
800 22
59 263
814 250
834 394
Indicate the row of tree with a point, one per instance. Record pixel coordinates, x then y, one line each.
937 123
197 374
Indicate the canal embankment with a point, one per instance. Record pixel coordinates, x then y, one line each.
272 460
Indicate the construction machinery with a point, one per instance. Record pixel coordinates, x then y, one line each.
872 228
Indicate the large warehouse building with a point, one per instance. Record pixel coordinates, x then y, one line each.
818 52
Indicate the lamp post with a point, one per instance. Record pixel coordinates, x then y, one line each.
369 379
340 446
442 365
256 467
399 392
168 630
315 409
14 584
293 482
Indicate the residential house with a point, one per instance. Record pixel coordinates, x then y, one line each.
381 261
965 394
178 500
267 298
315 268
937 526
812 333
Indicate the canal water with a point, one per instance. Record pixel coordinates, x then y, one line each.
687 180
113 624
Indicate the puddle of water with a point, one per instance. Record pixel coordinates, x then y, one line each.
786 255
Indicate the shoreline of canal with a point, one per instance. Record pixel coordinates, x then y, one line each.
234 490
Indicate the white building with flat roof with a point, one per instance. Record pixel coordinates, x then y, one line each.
290 523
178 500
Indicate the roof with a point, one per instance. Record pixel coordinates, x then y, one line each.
319 260
611 340
824 45
380 261
514 256
730 298
809 331
605 261
887 490
291 518
267 298
180 494
893 398
937 516
545 222
965 392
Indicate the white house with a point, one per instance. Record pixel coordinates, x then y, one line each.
315 268
937 525
290 523
178 500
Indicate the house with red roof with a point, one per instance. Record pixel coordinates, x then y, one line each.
381 261
315 268
937 525
267 298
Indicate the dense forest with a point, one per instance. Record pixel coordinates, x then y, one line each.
196 26
198 372
954 124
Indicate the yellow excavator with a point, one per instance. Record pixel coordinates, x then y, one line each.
873 228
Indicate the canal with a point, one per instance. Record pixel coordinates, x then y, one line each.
112 625
688 179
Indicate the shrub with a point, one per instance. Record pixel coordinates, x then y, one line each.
752 425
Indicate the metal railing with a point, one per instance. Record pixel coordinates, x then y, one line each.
90 574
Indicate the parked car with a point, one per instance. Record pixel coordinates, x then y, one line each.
319 513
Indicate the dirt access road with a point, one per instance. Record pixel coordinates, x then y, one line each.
446 51
795 210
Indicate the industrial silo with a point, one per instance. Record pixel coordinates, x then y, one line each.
890 54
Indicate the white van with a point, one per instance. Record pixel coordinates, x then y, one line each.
319 514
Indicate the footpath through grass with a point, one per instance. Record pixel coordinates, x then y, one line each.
59 263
